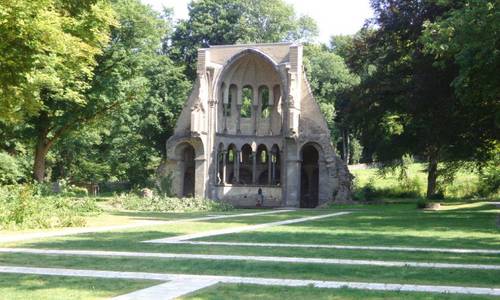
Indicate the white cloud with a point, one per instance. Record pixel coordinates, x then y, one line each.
332 16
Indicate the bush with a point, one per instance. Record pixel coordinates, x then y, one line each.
168 204
10 170
22 207
489 181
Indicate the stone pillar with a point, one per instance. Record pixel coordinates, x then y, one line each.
255 109
217 160
238 102
224 110
273 168
271 109
254 167
269 168
237 166
224 155
238 119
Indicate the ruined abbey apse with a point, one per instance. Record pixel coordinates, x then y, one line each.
252 134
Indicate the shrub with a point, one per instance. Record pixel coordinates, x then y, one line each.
22 207
168 204
489 181
10 170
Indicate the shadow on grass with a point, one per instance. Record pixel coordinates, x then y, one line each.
16 286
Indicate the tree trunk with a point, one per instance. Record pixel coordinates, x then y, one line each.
42 147
432 175
39 165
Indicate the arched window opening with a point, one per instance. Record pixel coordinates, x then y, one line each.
246 167
230 164
265 110
247 101
230 155
275 165
309 177
231 97
262 154
189 171
220 164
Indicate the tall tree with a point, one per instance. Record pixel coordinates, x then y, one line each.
129 143
48 51
407 104
331 82
118 79
218 22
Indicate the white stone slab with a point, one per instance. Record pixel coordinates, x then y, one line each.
274 259
254 280
168 290
343 247
73 231
242 228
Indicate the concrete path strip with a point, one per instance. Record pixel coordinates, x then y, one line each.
254 280
169 290
242 228
342 247
73 231
274 259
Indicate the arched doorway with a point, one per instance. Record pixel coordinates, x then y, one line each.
309 177
189 171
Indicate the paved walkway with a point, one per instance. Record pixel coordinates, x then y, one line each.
343 247
169 290
254 280
73 231
274 259
186 237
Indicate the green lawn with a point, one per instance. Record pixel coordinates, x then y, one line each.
458 225
22 287
250 292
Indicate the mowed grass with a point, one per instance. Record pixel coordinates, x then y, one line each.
457 226
251 292
463 226
22 287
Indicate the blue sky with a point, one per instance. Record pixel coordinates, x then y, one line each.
332 16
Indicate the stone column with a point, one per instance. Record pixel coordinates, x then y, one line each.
238 119
238 102
271 109
254 167
217 160
224 179
269 168
237 166
273 168
255 109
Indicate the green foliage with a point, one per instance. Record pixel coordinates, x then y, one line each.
356 150
48 54
330 88
128 143
220 22
168 204
468 36
9 169
489 179
21 207
409 102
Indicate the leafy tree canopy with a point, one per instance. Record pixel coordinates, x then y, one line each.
219 22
